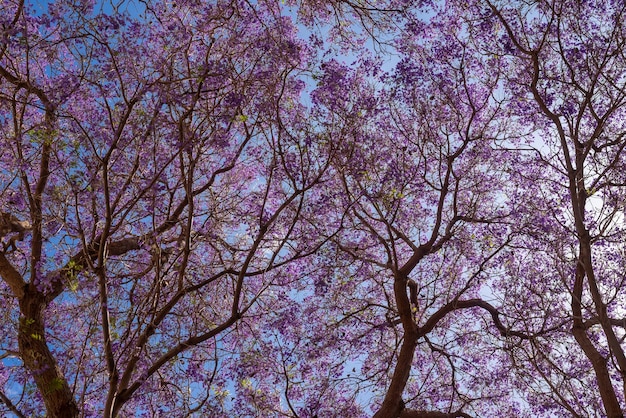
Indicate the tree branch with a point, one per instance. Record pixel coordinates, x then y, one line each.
471 303
12 277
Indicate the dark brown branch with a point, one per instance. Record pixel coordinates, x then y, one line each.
12 277
471 303
5 400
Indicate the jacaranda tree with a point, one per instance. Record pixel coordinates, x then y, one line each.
312 209
153 177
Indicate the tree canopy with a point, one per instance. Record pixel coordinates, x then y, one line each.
344 208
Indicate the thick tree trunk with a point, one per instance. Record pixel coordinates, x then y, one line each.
392 404
598 362
37 357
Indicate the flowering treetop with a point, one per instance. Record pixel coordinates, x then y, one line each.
312 209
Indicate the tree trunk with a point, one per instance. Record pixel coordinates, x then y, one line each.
38 359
